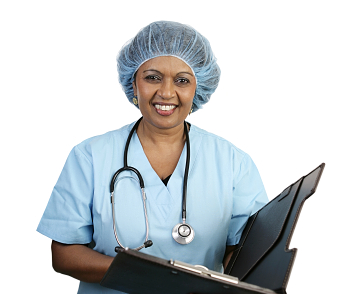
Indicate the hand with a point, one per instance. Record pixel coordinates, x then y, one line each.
80 262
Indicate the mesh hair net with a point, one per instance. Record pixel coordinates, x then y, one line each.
166 38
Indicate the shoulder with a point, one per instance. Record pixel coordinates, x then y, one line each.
212 142
103 142
220 157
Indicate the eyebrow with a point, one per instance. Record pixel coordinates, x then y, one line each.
182 72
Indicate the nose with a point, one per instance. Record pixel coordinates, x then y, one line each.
166 89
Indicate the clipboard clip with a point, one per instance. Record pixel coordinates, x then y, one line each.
202 270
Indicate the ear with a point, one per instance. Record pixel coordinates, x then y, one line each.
134 88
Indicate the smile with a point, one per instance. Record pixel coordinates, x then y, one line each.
165 107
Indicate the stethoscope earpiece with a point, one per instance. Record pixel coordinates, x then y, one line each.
148 243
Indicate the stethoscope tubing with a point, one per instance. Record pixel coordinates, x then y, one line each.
129 168
147 243
144 209
185 179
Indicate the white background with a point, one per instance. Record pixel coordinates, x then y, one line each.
286 97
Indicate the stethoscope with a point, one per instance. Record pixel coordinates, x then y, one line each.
182 232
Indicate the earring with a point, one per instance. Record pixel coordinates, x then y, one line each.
191 111
134 100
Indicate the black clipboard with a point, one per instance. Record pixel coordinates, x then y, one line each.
262 262
136 273
263 256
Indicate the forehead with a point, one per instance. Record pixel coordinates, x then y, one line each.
166 64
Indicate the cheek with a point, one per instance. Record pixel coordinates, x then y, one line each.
145 93
188 96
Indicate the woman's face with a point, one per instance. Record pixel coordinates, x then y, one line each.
165 88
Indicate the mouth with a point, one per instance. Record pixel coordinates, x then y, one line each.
165 109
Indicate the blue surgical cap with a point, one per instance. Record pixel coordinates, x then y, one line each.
167 38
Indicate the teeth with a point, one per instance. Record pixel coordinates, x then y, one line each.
164 107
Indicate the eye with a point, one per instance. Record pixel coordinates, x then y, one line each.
152 78
182 81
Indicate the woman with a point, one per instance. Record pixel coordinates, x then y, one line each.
168 71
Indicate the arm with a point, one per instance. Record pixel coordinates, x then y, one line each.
228 253
80 262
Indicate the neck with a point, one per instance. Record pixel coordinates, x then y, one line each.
149 133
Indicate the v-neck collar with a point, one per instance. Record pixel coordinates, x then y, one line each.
138 159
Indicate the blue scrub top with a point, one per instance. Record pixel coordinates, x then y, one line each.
224 189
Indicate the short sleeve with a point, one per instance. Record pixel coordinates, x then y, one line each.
249 196
67 217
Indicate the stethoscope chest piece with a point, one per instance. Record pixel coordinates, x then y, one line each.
183 234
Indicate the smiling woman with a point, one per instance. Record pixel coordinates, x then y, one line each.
165 89
168 71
